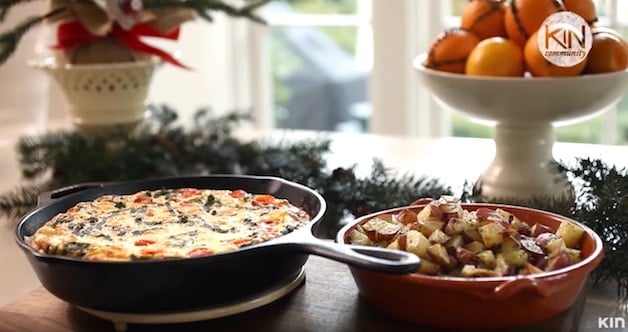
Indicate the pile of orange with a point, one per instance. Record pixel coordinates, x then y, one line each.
498 38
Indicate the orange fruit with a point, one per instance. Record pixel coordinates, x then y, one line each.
485 18
496 56
523 17
584 8
539 66
609 52
450 50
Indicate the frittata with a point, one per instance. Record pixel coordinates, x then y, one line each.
167 223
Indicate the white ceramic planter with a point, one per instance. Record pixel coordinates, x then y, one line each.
102 97
525 111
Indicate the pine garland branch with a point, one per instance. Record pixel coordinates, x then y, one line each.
350 196
161 148
249 9
204 8
6 5
20 201
604 208
10 40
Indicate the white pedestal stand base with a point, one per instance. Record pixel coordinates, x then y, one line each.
524 166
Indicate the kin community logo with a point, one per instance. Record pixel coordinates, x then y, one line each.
565 39
618 323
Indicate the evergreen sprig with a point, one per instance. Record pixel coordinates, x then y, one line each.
9 40
161 148
6 5
21 200
603 206
204 8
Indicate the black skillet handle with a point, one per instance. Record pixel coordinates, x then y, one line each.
370 258
62 192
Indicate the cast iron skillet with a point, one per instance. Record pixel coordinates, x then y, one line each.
167 285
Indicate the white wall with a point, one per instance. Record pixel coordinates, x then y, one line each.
203 47
23 90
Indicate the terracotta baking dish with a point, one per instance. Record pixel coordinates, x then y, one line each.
480 303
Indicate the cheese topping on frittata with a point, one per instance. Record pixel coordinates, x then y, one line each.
167 223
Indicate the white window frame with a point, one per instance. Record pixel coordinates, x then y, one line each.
401 29
393 86
612 9
401 106
257 81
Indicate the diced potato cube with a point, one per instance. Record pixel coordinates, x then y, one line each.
530 269
558 259
386 216
473 271
439 255
359 238
394 244
574 254
438 236
501 266
378 229
429 267
486 258
431 211
509 244
544 239
492 234
571 233
427 227
449 205
456 241
458 225
516 258
406 216
471 234
417 243
539 228
455 272
475 246
555 244
514 221
465 256
507 216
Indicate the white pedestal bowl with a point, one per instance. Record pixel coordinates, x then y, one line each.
103 97
524 111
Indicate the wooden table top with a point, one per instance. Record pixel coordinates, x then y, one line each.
328 300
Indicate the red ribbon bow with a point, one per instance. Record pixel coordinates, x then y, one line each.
72 34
